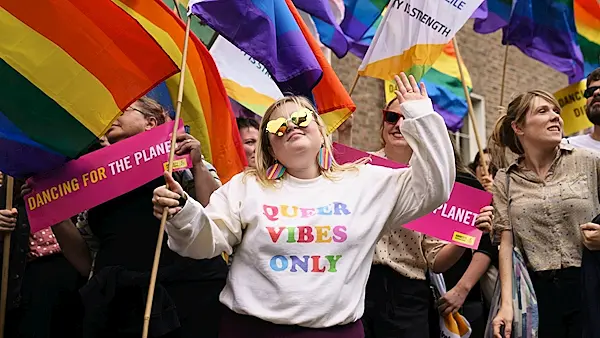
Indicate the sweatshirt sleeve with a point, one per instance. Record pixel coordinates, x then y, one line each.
429 180
201 233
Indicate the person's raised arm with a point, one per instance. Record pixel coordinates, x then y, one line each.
195 231
429 180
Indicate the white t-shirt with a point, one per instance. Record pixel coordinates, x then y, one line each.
584 141
304 249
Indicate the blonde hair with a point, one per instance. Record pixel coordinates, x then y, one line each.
504 136
264 156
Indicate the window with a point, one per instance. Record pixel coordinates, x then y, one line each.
465 137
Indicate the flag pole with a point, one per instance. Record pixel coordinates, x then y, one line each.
503 76
6 258
161 230
354 84
470 107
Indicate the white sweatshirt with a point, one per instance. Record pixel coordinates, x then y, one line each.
304 250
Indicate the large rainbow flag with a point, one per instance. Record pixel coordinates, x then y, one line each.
493 15
329 30
587 22
360 15
432 26
68 69
206 110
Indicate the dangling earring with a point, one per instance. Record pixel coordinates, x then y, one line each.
325 158
275 171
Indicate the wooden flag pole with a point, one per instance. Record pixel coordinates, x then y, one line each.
161 230
6 258
503 76
470 107
354 84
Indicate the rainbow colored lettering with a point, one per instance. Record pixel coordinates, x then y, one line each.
308 234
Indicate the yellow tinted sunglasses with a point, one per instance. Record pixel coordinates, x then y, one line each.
300 118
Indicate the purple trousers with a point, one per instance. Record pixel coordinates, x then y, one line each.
234 325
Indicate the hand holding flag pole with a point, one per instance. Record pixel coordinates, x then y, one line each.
5 258
161 230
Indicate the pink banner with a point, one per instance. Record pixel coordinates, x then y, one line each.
453 221
100 176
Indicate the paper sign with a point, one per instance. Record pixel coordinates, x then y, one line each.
100 176
572 104
390 88
453 221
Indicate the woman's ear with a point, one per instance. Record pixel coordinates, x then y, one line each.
516 128
151 123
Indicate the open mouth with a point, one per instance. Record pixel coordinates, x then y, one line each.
554 128
397 134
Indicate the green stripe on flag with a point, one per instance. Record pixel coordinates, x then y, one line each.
40 117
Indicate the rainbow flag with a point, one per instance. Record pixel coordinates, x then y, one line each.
492 15
445 88
587 22
360 15
545 30
432 26
68 69
331 98
267 31
206 110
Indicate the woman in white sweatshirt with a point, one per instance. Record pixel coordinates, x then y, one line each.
304 227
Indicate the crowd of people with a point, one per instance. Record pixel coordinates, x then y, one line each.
316 248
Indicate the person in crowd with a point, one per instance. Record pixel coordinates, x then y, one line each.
592 111
485 178
551 191
398 277
186 297
463 278
43 299
249 133
306 226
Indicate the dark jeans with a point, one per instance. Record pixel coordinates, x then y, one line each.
234 325
396 306
558 295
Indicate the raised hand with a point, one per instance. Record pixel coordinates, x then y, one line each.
484 220
169 198
187 144
408 89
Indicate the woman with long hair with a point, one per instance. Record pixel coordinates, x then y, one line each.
544 201
305 227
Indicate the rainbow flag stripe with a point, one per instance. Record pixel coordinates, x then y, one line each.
445 88
492 16
63 86
360 15
587 22
206 110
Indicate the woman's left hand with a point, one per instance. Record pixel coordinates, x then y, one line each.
484 220
408 89
187 144
591 236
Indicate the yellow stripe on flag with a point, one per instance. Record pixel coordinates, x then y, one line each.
191 107
248 97
75 89
417 56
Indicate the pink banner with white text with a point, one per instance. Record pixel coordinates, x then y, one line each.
100 176
453 221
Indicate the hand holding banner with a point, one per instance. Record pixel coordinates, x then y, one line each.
100 176
453 221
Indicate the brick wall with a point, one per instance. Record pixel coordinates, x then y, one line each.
484 58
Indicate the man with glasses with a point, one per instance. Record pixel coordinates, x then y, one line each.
592 94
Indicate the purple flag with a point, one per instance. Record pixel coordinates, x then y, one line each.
330 33
492 15
545 30
267 31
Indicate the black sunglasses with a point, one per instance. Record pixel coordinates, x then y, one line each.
390 116
590 91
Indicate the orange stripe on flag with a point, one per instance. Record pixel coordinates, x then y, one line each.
330 95
76 26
